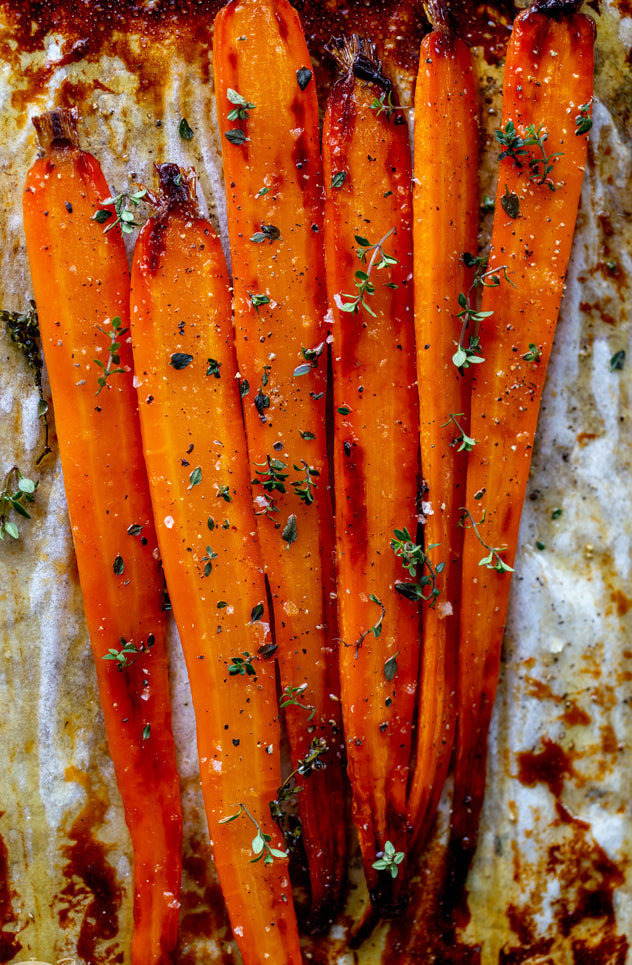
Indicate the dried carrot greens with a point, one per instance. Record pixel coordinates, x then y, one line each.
268 118
367 169
195 451
546 102
81 286
445 232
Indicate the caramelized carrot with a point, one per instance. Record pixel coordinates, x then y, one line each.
445 227
548 87
268 118
195 451
367 170
81 285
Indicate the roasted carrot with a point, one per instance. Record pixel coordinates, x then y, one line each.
268 118
194 444
546 101
445 229
81 286
368 243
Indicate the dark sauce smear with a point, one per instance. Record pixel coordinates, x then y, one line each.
90 876
9 943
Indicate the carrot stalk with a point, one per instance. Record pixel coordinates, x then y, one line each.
445 203
194 447
367 169
548 87
81 285
268 118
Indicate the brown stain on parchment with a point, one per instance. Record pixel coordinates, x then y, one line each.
92 883
9 942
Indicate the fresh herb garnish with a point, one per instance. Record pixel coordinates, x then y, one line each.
303 487
17 490
115 334
242 106
124 216
493 561
303 77
195 478
385 104
118 566
583 121
390 667
467 443
362 278
338 179
180 360
516 146
311 356
213 368
121 656
236 136
23 329
224 493
242 666
414 557
389 860
260 843
376 629
269 232
534 354
289 698
290 531
258 300
617 362
208 561
186 132
470 354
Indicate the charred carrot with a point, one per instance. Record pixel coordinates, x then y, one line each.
546 102
194 444
81 286
445 231
268 118
368 242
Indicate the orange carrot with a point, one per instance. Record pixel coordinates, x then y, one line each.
268 118
81 285
546 99
195 451
367 169
445 203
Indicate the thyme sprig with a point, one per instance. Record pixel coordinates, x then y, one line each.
583 121
115 334
470 354
122 655
261 842
289 788
242 106
516 146
23 329
385 104
493 561
289 698
467 443
17 490
124 214
311 356
362 279
389 859
242 666
415 558
303 488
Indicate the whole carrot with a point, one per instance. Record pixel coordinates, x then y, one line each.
445 232
368 243
195 450
268 118
546 102
81 286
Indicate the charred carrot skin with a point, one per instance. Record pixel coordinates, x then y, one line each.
81 282
548 77
375 450
273 181
445 205
194 444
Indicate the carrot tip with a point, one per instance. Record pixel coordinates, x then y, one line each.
58 127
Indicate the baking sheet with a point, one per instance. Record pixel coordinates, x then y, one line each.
550 883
